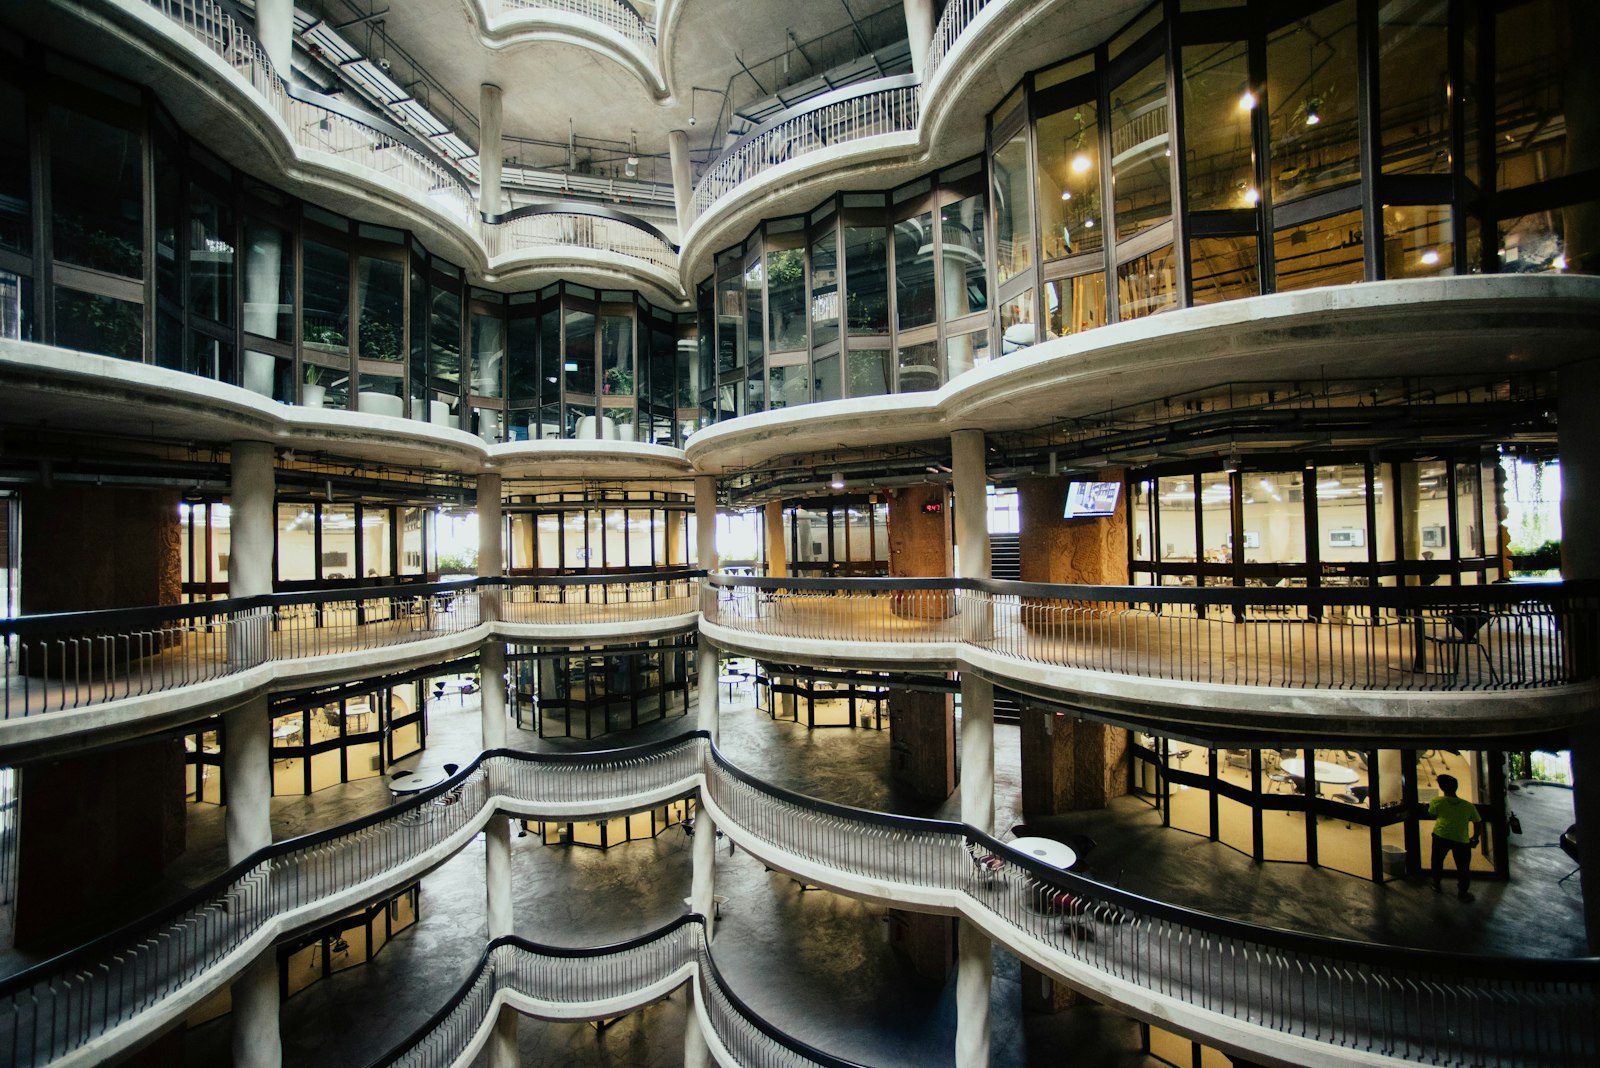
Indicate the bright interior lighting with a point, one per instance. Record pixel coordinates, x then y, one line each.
838 481
1430 257
1252 196
1247 101
1560 262
1088 223
1065 195
1312 118
1080 163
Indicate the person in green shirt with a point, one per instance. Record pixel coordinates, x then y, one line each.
1452 816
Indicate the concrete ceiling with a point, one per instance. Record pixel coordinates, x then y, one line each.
546 83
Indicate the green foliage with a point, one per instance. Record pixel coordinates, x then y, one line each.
464 563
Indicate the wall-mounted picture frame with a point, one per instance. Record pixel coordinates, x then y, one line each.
1347 538
1433 537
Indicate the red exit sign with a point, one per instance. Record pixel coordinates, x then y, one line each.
933 507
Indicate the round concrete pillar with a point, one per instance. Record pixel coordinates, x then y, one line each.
490 153
974 971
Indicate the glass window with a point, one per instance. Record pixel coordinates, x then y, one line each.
1534 64
1147 285
16 306
965 352
325 290
788 385
522 360
1141 151
1224 268
168 178
730 323
210 256
1326 252
1536 243
1013 214
97 189
869 372
866 264
1341 494
755 277
1414 86
296 546
1417 241
578 354
1274 518
16 180
1069 182
1073 305
94 323
824 290
825 379
444 344
919 367
488 353
375 542
1218 103
1216 518
1016 323
419 338
1311 87
380 293
966 268
913 271
268 282
786 294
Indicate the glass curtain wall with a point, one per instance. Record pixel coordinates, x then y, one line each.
846 534
620 533
589 693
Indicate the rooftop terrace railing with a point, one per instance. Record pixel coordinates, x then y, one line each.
75 660
1347 995
1502 636
884 106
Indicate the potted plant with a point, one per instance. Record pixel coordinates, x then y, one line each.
313 391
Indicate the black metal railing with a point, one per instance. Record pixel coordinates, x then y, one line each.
74 660
1490 637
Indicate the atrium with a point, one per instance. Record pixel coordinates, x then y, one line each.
863 532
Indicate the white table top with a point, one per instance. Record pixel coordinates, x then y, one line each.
1046 849
1327 773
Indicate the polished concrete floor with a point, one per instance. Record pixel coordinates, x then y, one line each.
816 964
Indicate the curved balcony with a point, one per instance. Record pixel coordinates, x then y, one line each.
618 16
1284 995
566 227
1387 658
120 670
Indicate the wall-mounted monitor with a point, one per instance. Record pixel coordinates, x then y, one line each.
1087 499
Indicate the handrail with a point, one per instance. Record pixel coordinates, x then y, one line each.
953 22
574 227
613 14
580 207
283 886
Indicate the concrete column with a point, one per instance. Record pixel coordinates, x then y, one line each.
777 548
696 1054
922 752
974 970
682 178
1578 439
491 545
706 671
705 522
972 503
702 894
275 31
1069 764
255 1014
490 153
247 745
977 752
919 35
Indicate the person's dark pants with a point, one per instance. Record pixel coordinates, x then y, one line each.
1463 856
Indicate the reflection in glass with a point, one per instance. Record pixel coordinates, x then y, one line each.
210 255
919 367
578 356
97 190
913 271
966 271
1534 53
964 352
866 265
92 323
730 323
1069 182
1325 252
444 346
380 293
1141 151
325 296
1224 268
786 294
869 372
1311 86
1012 210
616 355
755 275
1414 86
824 290
268 282
1075 304
1147 285
1417 241
1218 104
825 379
788 385
1016 323
16 181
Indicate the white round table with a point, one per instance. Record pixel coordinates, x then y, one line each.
1046 849
1328 774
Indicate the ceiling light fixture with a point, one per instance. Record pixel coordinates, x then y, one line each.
837 481
1313 111
1247 101
1080 163
1430 257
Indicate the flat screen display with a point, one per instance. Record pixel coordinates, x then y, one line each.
1085 499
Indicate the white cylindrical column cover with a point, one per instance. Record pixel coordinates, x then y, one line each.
682 178
255 1014
263 273
503 1039
696 1054
497 866
246 755
702 895
919 35
252 522
977 752
972 503
705 522
707 669
492 688
974 969
491 542
490 153
275 31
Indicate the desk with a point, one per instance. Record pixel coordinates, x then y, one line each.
730 681
1046 849
416 783
1327 774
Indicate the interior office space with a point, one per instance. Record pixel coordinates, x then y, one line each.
1198 387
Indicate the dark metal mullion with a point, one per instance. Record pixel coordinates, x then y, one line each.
1369 138
1455 65
36 108
147 130
1108 198
1178 173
